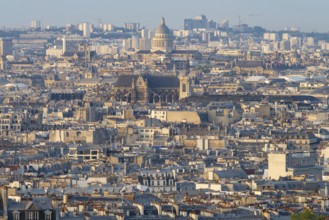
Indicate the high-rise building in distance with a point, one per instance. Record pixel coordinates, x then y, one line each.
36 24
199 22
132 26
6 46
271 36
86 29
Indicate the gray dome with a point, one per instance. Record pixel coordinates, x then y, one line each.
163 29
163 39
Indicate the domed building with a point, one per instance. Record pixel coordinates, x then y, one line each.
163 40
163 55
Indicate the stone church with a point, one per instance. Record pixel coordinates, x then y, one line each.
149 88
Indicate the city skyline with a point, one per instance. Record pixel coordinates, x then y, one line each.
163 110
268 14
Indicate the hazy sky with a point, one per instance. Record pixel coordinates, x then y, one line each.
271 14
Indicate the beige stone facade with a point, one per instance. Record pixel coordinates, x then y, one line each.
163 40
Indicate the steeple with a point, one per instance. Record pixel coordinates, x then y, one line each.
174 69
187 66
163 21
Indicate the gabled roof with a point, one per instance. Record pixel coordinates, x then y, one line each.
250 63
125 80
42 203
185 52
39 203
143 52
163 81
231 174
153 81
159 52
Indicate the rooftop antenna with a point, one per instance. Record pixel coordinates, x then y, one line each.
239 27
99 22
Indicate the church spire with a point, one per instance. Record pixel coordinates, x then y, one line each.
187 67
174 69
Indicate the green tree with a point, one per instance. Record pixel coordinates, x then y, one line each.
306 215
203 69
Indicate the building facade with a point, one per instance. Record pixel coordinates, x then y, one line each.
158 180
163 40
293 164
199 22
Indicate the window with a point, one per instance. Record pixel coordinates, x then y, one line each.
16 215
47 215
184 87
33 216
94 152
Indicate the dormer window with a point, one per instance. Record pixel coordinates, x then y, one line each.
33 215
47 215
16 215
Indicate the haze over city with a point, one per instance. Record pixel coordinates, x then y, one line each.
164 110
307 15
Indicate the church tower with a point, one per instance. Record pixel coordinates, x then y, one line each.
91 73
2 63
141 87
184 87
